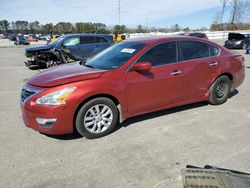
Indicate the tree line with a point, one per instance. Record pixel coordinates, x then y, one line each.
25 27
239 18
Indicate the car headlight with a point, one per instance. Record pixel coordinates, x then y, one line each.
56 98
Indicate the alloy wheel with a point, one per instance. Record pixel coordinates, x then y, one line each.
98 118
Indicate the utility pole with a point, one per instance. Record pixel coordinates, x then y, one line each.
147 24
119 11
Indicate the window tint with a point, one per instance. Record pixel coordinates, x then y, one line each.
214 51
160 54
101 40
87 40
71 41
193 50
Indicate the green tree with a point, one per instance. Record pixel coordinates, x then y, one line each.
34 27
120 28
4 26
140 29
22 26
47 28
176 28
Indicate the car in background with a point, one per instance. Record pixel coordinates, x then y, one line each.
198 34
13 37
21 42
44 37
67 48
237 41
133 77
31 39
195 34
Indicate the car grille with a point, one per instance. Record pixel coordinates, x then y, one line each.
26 93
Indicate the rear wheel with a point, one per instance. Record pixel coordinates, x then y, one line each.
96 118
247 52
219 91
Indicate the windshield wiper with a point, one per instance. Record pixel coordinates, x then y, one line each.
90 66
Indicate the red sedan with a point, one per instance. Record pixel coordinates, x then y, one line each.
133 77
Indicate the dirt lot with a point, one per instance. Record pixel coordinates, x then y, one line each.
147 151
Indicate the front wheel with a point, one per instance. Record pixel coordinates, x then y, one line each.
96 118
220 90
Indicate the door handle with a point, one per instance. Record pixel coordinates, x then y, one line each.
175 73
213 64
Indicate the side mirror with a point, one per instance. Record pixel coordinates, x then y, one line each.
142 66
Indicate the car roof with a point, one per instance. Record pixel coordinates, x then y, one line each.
87 34
155 39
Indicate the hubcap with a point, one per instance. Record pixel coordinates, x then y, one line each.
220 90
98 118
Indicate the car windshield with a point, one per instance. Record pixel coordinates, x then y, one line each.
115 56
57 41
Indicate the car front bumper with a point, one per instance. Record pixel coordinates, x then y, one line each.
52 120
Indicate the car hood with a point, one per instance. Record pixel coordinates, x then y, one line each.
38 48
64 74
236 36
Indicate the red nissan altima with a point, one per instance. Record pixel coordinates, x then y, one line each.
133 77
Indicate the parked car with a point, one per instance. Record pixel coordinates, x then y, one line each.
13 37
195 34
134 77
198 34
67 48
237 41
31 39
44 37
21 42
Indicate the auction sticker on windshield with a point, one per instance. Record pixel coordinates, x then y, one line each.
128 50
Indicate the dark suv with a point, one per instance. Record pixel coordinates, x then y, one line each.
67 47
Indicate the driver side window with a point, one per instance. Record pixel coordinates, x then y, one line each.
71 41
161 54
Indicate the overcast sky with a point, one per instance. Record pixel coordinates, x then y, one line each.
160 13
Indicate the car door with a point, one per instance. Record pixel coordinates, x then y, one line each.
161 85
71 45
199 64
87 46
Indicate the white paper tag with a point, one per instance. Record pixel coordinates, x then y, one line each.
128 50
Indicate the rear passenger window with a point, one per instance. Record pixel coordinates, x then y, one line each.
214 51
87 40
101 40
161 54
193 50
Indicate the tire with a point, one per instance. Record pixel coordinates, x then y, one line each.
91 124
247 52
220 90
